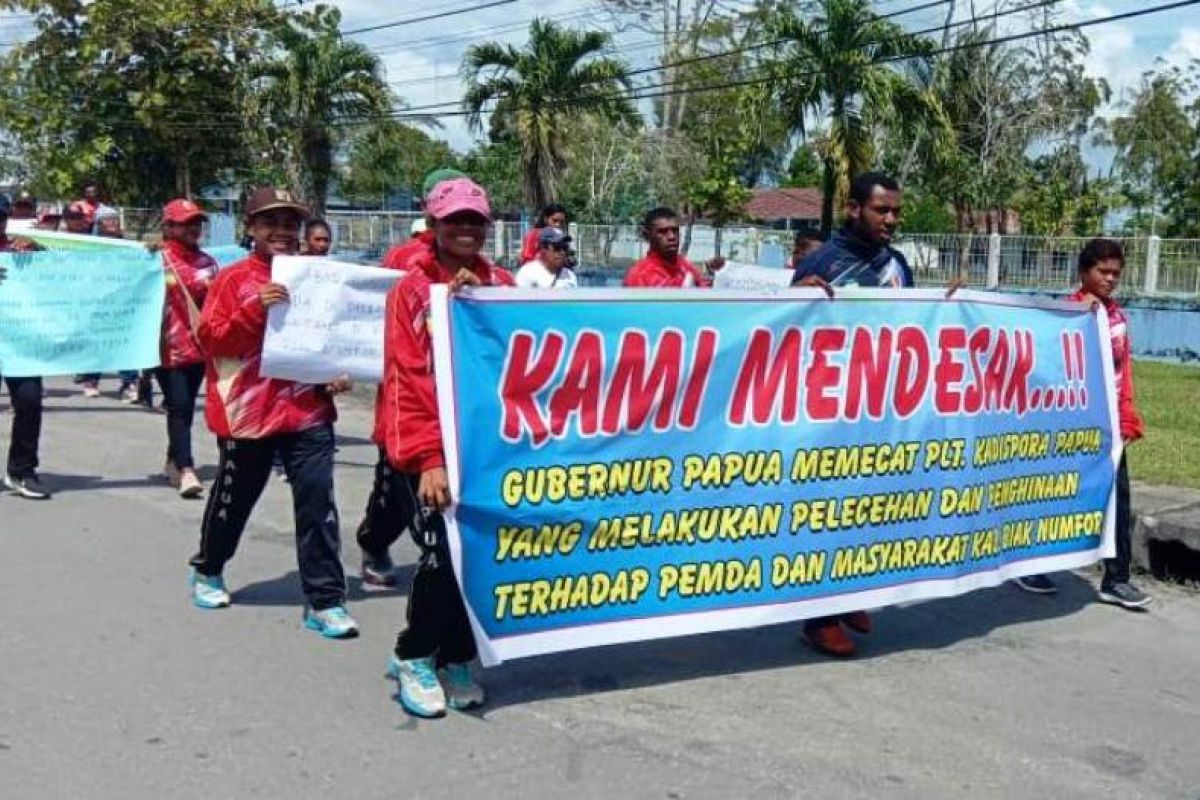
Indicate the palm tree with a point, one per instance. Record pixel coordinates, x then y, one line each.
842 63
559 75
315 84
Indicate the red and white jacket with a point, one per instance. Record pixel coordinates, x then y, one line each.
412 436
399 258
241 403
194 271
1118 327
656 271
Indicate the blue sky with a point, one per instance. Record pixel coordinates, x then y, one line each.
422 58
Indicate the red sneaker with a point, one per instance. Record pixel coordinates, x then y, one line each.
857 621
826 636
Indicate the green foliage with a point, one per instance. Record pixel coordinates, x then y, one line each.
537 90
605 178
145 95
1000 100
836 64
1060 200
804 168
313 85
496 166
388 157
924 213
1166 397
1158 146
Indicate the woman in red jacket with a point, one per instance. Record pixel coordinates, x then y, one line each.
438 633
552 216
255 417
189 272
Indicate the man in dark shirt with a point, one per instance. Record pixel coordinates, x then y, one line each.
20 477
860 254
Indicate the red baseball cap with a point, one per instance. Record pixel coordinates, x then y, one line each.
182 210
459 194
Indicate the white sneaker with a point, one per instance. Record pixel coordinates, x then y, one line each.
189 484
332 623
462 690
91 390
420 693
208 591
129 395
172 473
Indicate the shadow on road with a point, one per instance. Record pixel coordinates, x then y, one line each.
351 441
928 626
58 482
285 590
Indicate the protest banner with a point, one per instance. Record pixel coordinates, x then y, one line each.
80 311
61 240
333 323
752 278
636 465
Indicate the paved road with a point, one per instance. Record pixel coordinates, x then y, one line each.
113 686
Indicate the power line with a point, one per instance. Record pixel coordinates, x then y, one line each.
997 14
639 94
428 17
693 59
642 94
636 93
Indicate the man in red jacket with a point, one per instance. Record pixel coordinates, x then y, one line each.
1100 265
188 272
421 240
663 266
389 511
254 417
438 632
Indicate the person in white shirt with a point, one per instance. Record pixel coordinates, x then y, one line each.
549 270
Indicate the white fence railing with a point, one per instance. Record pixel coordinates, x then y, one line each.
1153 266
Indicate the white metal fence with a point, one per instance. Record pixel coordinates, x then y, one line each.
1153 266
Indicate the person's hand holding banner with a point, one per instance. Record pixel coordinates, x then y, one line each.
339 385
434 488
272 293
815 282
464 277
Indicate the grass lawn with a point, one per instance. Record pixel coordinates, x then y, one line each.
1168 395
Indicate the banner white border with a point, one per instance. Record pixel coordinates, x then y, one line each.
495 651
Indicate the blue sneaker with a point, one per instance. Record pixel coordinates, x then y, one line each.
420 692
462 690
332 623
208 591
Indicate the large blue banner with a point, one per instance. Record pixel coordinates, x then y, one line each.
640 464
80 311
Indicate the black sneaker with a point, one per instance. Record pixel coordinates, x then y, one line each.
1125 595
28 487
379 572
1037 584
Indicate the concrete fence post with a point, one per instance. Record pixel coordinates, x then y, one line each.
993 260
500 229
1150 279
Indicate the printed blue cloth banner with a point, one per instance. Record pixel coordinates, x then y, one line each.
636 464
79 311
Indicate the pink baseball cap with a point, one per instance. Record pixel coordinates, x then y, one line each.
459 194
